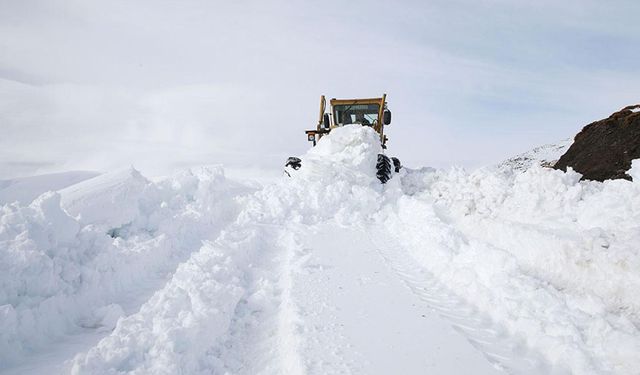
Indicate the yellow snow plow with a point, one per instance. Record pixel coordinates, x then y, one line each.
371 112
368 112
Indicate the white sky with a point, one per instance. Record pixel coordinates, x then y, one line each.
159 84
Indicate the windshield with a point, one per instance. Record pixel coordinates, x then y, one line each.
365 114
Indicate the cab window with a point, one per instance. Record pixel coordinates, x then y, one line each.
364 114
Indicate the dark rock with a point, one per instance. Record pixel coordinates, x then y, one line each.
604 149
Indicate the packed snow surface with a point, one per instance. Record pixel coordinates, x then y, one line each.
517 269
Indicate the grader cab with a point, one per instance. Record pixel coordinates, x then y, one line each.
367 112
371 112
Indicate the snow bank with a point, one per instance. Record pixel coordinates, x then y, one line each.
551 257
61 272
174 330
39 264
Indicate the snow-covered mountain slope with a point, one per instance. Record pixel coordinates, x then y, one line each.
26 189
545 155
442 271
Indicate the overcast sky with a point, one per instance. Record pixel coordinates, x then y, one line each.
157 84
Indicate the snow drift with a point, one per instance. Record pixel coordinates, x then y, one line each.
61 273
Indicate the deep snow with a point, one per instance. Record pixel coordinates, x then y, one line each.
518 268
71 266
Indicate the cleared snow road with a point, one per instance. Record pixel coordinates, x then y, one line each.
298 299
357 316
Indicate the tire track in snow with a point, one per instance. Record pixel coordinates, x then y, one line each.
359 318
289 319
503 350
318 336
261 337
270 333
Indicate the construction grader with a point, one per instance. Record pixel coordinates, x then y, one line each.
371 112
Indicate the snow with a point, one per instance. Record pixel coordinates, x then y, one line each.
545 155
634 172
520 268
26 189
551 257
62 274
328 288
112 199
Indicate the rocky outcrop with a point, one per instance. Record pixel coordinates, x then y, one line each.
604 149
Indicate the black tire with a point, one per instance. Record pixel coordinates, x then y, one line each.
294 163
396 164
383 168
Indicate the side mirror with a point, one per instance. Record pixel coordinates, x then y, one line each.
326 121
386 117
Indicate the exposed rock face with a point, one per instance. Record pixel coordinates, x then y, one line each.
604 149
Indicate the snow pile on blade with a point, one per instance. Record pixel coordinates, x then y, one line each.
348 153
553 258
337 179
60 273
